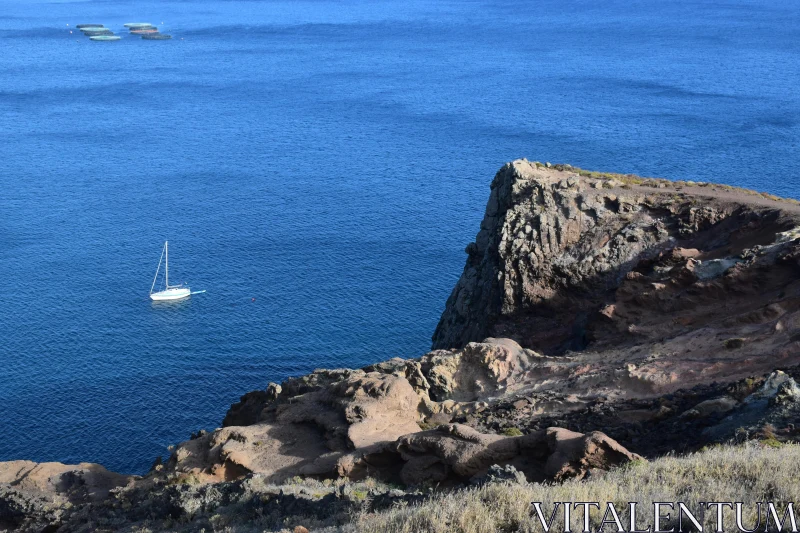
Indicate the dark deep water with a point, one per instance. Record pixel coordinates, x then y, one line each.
329 159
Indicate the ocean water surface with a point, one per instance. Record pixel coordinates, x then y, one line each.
318 168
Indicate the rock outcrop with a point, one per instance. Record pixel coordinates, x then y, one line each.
36 496
564 263
459 453
369 422
281 434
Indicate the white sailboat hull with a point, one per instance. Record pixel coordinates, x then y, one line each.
177 293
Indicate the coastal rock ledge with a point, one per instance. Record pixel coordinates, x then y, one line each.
600 319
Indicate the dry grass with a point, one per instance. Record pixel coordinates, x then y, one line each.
748 473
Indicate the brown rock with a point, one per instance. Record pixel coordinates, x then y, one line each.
358 411
277 451
454 453
520 404
453 448
685 253
299 435
477 371
575 455
38 496
85 481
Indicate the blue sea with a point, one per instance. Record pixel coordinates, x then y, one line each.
318 168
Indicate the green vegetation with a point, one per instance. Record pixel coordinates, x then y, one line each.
744 388
768 437
512 432
183 479
734 343
359 495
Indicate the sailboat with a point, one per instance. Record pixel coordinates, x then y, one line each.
174 292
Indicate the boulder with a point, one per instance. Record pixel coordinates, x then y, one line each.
358 411
476 372
710 407
776 404
574 455
771 386
248 409
451 450
788 393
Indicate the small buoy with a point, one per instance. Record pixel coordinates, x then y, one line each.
253 300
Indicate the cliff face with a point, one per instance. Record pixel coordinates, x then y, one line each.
568 262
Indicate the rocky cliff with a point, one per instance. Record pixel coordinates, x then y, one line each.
600 319
568 262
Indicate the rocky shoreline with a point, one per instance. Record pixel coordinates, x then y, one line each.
600 320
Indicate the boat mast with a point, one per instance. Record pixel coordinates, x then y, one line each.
166 264
157 269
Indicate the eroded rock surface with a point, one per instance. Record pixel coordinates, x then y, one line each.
455 452
280 434
371 422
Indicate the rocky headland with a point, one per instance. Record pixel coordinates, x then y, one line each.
600 320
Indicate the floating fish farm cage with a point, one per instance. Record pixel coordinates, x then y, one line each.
97 32
94 32
147 31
